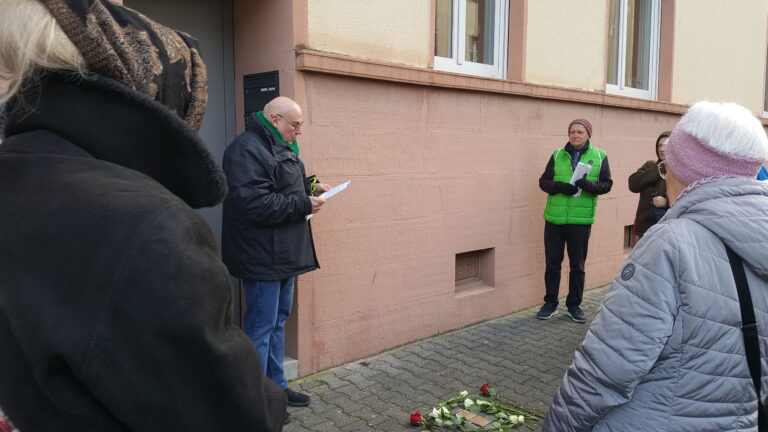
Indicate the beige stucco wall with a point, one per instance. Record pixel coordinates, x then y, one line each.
566 43
396 31
717 62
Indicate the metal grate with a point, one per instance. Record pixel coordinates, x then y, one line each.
467 267
628 237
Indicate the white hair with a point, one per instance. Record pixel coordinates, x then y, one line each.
31 40
728 128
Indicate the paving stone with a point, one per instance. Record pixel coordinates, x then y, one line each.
341 417
301 419
327 426
308 385
522 357
320 405
358 426
343 372
395 396
353 395
385 367
397 415
358 380
332 381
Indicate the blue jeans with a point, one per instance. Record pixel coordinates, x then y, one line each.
268 304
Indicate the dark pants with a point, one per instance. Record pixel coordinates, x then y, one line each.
556 237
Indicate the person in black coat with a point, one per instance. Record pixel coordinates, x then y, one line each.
266 235
115 309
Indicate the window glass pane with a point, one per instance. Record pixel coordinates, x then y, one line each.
443 28
638 55
613 42
480 31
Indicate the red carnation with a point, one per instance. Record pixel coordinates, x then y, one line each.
416 418
484 389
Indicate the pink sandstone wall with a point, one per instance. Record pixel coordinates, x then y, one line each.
436 172
265 34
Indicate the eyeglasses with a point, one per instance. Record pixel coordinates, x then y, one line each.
295 125
662 167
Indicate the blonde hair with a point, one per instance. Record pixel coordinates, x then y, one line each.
31 40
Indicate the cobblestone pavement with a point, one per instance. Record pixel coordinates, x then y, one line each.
522 357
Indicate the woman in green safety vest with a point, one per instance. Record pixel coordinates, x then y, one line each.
575 175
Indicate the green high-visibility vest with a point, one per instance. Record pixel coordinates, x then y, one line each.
579 210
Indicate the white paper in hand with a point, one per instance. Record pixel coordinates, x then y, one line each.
581 170
334 190
329 193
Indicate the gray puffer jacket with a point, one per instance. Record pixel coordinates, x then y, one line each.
665 351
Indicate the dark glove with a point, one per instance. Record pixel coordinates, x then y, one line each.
564 188
585 184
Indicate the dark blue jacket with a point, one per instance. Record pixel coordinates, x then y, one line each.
264 233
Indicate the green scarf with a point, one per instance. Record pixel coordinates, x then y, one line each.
293 146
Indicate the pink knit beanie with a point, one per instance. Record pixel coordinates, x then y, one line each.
714 140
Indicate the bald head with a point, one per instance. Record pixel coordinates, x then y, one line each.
285 114
281 105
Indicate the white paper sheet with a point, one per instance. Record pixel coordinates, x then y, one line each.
327 194
334 190
581 170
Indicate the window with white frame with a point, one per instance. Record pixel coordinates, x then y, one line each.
633 62
471 37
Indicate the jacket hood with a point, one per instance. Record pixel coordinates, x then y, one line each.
735 209
116 124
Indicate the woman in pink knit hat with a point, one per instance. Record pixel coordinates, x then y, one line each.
676 344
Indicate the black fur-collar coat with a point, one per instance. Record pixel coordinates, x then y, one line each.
115 309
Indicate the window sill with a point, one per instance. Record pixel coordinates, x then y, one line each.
629 92
472 289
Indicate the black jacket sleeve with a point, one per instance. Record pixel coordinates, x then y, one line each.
252 188
546 182
165 355
603 184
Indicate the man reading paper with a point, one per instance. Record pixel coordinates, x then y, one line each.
266 238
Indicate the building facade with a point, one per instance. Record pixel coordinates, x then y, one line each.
443 114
